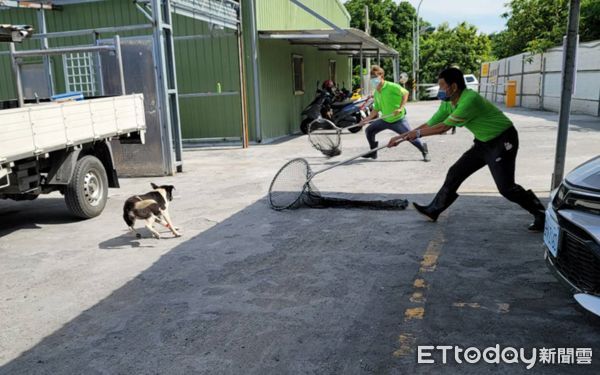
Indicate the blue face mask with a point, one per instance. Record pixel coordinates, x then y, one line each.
375 82
442 95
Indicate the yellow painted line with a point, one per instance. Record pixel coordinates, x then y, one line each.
407 341
417 297
473 305
430 258
428 264
414 313
420 283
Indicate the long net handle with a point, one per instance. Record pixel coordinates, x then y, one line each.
368 122
347 161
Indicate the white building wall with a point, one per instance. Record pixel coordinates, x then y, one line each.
538 79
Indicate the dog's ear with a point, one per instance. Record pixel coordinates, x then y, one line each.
169 189
154 186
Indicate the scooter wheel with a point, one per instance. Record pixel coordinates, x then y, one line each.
304 125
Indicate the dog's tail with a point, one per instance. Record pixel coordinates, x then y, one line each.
128 215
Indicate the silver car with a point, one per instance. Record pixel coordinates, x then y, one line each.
572 234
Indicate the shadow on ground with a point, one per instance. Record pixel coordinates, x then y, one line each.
325 292
29 214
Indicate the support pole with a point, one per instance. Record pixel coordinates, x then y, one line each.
414 66
243 96
255 72
119 57
17 72
360 71
167 85
44 45
568 79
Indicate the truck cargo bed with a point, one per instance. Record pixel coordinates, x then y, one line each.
37 129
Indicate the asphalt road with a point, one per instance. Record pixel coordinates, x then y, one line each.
248 290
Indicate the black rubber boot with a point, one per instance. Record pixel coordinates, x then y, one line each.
442 200
425 153
537 209
372 155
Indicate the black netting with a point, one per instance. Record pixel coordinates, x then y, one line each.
325 137
291 189
316 200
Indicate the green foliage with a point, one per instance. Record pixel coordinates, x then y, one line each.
536 25
462 46
390 23
589 25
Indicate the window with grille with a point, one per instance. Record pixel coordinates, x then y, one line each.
298 67
80 73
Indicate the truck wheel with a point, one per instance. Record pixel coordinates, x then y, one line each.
86 194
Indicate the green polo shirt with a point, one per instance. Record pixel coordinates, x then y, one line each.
389 100
475 113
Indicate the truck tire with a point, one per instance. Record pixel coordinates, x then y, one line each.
87 192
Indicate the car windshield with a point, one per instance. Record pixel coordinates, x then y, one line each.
470 79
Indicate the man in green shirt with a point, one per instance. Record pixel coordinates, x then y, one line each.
389 99
495 145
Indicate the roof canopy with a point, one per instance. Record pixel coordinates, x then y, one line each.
345 42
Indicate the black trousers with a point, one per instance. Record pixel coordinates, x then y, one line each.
500 155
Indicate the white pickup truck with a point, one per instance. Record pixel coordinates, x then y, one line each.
66 147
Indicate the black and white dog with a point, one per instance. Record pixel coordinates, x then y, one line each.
151 207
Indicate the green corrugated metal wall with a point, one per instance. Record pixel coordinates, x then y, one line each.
279 106
203 63
73 17
284 15
200 63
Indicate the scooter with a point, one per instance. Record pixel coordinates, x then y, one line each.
343 114
347 113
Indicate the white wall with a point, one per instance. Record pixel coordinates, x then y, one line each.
538 79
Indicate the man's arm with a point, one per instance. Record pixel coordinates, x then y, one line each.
402 104
373 115
422 131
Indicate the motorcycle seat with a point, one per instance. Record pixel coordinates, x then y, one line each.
342 104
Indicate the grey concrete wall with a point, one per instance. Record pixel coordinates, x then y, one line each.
538 79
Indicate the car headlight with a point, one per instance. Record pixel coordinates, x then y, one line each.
559 198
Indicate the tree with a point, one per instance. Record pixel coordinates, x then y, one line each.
462 46
536 25
590 20
390 23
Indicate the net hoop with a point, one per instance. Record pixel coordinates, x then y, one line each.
300 193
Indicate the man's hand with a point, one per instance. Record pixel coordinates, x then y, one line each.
398 111
410 136
395 141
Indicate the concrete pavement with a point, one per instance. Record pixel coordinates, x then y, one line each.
248 290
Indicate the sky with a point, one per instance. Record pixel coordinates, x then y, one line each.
485 14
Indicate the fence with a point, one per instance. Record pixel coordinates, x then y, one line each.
538 79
